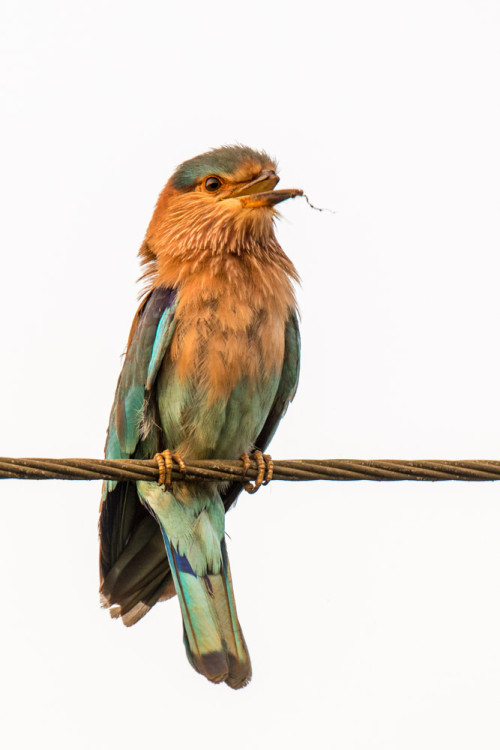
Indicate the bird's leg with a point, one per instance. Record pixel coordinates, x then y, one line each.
264 470
165 461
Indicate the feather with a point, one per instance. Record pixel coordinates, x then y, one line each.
212 363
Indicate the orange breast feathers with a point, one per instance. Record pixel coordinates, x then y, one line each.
234 287
230 326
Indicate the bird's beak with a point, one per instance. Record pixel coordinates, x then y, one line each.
260 191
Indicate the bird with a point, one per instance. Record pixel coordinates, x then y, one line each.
211 365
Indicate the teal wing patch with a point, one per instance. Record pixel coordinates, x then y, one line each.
152 335
134 569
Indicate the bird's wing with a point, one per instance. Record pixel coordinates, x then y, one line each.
284 395
134 569
133 566
151 333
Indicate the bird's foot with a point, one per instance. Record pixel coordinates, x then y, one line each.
165 461
264 470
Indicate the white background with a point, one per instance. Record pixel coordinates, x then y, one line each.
371 611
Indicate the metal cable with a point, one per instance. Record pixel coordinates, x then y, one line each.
296 470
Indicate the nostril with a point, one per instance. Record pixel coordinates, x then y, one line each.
269 174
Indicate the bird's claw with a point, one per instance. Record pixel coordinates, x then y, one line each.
165 461
264 470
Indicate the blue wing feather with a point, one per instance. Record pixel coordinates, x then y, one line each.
163 337
133 565
151 334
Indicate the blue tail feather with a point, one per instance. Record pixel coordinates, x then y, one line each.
212 634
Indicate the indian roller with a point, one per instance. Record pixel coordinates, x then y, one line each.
211 365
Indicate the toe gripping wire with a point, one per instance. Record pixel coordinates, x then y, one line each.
265 468
165 461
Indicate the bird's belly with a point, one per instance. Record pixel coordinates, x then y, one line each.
200 427
219 379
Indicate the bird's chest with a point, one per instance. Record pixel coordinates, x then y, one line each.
220 376
220 343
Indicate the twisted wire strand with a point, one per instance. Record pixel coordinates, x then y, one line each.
295 470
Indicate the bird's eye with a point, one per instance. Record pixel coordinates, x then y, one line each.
212 184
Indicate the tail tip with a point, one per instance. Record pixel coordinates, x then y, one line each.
240 672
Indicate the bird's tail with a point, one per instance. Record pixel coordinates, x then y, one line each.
212 633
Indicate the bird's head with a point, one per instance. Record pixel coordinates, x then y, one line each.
218 202
236 173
